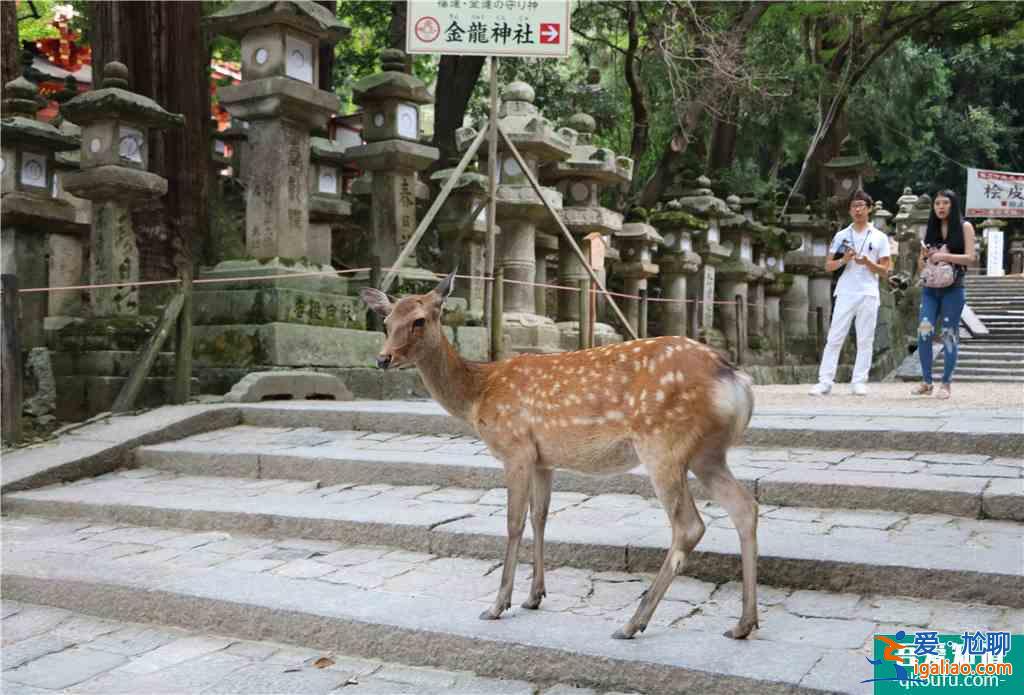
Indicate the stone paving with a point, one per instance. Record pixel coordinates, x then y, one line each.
811 547
838 627
51 650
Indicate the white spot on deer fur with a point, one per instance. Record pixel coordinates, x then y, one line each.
615 415
659 395
680 376
624 379
636 349
668 378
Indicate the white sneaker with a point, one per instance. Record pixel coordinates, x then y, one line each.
859 390
820 389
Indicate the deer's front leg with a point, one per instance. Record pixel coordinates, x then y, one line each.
517 479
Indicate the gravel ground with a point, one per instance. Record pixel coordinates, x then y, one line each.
974 395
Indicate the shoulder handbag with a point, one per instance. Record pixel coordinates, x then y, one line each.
938 275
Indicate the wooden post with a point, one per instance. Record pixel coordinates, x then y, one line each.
819 327
492 199
586 340
740 313
373 321
497 314
147 356
10 362
183 341
641 329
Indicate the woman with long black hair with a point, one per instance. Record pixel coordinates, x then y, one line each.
948 239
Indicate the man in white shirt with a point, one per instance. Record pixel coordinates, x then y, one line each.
865 258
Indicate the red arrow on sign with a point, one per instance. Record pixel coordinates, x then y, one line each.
550 33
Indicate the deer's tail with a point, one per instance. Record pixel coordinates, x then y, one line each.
733 401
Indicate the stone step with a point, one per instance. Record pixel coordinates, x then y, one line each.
419 609
979 370
988 434
51 648
987 378
804 548
968 485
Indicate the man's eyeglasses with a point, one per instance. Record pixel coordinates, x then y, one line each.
857 206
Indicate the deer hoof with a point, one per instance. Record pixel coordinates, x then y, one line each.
489 615
533 602
742 629
622 634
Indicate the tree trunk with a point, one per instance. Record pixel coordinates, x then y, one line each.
167 55
723 138
11 46
327 52
637 94
456 78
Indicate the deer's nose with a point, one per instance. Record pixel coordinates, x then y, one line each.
383 361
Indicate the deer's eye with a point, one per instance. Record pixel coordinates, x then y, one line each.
419 323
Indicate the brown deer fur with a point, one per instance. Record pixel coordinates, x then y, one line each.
669 403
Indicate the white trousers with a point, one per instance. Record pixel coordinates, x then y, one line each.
849 308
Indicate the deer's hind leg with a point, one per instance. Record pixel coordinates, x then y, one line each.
668 475
518 471
711 469
540 502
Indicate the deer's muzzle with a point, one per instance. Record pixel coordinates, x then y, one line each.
383 361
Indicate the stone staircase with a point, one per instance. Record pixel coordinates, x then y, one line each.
376 530
998 356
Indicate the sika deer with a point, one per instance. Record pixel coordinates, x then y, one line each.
669 403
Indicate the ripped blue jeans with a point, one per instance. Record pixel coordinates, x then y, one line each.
940 311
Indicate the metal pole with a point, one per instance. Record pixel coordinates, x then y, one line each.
565 232
492 195
641 320
10 361
497 312
410 245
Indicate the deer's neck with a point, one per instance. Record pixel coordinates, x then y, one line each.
453 382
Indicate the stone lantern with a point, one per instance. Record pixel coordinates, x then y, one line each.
116 125
280 99
777 243
638 243
580 179
696 198
521 212
347 132
911 223
811 285
676 263
30 211
327 202
847 173
464 241
393 155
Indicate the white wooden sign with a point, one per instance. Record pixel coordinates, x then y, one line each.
521 28
994 257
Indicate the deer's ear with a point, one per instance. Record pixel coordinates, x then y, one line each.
377 300
445 287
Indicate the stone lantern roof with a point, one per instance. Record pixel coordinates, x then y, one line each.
240 17
700 200
598 164
114 101
392 82
531 133
19 124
